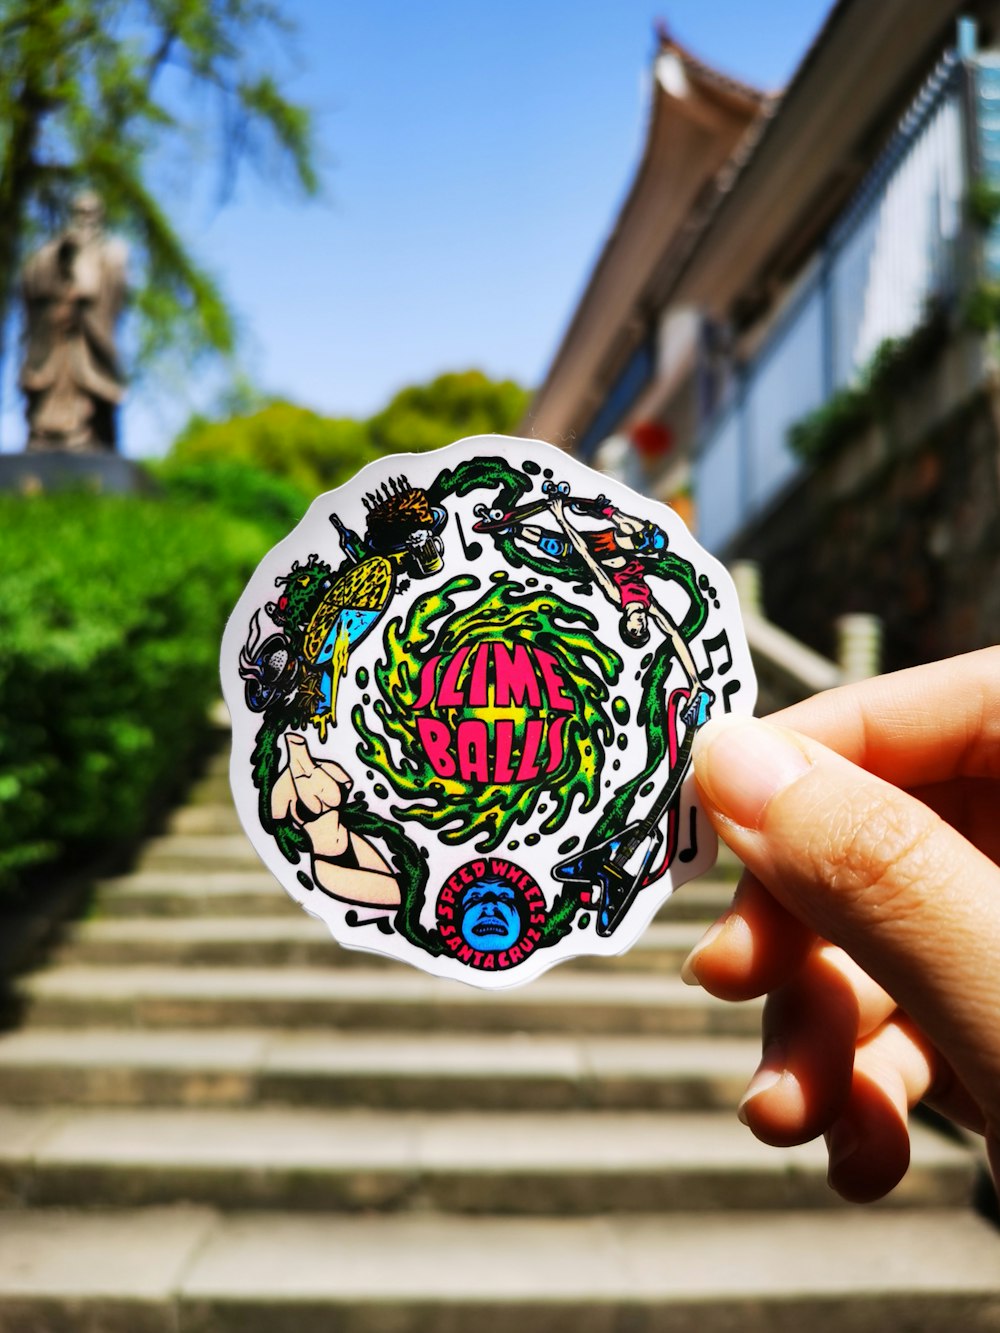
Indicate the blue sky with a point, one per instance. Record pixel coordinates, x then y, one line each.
473 159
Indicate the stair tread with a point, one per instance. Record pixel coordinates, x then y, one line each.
557 990
195 1254
365 1140
433 1054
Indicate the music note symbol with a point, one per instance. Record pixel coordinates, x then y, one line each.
691 851
472 550
383 923
719 644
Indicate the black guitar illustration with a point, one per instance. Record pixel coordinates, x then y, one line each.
616 868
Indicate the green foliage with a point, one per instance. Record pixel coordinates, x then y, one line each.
238 488
111 611
845 413
427 416
316 453
92 90
982 307
311 452
983 203
894 365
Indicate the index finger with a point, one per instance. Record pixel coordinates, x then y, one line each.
915 727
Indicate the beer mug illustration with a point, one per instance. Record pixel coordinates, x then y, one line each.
424 551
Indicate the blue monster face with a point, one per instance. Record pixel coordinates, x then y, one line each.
490 921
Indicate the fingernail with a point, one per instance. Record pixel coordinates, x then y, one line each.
770 1071
737 936
688 973
741 764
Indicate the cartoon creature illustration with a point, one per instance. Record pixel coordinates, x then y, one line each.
617 558
267 667
311 794
489 915
322 614
402 522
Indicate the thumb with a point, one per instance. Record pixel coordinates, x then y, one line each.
872 869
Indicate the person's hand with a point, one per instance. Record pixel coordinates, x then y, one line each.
626 524
869 914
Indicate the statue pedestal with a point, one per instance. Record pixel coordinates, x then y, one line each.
95 474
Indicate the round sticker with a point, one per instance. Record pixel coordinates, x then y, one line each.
464 692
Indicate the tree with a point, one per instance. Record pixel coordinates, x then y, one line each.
90 90
314 453
425 416
317 453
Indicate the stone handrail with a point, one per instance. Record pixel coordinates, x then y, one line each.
788 670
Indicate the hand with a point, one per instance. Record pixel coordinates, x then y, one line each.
869 912
626 524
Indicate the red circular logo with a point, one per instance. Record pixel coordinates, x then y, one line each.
491 914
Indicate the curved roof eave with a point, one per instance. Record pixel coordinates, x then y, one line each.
707 94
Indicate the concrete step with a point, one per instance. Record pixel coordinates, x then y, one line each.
205 820
253 891
299 940
552 1163
217 765
437 1071
191 1270
177 851
373 999
243 893
212 788
700 900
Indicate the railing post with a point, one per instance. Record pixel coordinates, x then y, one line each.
746 577
859 646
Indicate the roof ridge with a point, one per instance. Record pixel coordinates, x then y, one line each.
708 73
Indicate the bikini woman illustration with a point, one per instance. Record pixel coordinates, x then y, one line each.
310 792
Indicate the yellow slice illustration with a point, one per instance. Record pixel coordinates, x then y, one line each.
344 616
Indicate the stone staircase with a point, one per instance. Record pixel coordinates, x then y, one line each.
212 1119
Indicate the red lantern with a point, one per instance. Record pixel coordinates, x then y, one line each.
652 439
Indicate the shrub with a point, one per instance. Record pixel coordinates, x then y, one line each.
894 366
111 610
238 488
311 452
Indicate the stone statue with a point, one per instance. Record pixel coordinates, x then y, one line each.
74 288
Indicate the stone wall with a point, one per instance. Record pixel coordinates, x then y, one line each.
902 521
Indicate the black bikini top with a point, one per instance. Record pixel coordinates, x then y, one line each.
303 815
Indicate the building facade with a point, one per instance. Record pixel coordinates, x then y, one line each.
790 331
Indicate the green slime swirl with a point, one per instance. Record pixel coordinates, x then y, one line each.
458 811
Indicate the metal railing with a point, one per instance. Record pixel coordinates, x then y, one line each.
893 253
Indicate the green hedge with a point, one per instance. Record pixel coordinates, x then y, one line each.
238 488
111 610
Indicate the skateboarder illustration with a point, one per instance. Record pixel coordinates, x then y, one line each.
616 558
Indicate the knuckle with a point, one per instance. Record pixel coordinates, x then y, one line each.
883 851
